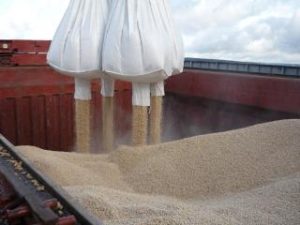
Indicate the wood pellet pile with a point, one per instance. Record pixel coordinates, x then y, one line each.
246 176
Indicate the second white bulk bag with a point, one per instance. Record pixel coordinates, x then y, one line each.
141 42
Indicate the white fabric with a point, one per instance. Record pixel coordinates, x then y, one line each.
141 94
157 89
82 89
107 87
141 42
76 49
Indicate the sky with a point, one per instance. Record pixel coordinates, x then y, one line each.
244 30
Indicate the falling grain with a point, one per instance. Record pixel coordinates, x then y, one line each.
82 124
156 119
108 124
139 125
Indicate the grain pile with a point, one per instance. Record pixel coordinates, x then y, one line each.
246 176
82 124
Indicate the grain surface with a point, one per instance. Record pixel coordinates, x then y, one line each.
246 176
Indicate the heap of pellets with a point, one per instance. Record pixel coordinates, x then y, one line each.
245 176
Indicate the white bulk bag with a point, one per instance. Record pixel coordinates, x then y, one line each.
142 45
141 42
76 49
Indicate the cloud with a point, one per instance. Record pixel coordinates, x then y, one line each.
252 30
30 19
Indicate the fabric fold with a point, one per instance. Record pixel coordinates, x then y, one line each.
76 49
142 43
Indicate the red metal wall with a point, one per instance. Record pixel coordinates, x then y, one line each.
268 92
37 108
22 53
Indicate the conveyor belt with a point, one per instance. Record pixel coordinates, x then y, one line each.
28 197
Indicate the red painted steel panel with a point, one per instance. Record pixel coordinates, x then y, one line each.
53 122
5 46
24 120
5 60
42 46
38 121
23 45
20 81
28 46
23 53
52 107
8 119
276 93
31 76
66 121
44 120
38 101
29 59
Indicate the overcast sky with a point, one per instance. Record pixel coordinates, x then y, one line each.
248 30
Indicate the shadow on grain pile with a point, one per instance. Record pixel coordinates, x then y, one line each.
245 176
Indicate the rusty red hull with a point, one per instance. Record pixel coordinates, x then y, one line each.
37 108
268 92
